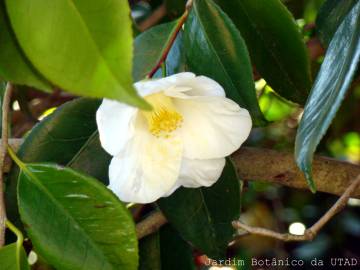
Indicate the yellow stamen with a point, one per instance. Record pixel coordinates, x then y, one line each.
163 119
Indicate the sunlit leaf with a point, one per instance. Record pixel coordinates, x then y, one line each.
14 66
82 46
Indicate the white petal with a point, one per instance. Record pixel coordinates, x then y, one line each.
115 123
148 87
196 86
213 127
198 173
147 169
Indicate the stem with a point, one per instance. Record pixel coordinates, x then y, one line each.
163 69
15 158
4 145
19 241
16 231
170 42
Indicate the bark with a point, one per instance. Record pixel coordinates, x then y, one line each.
330 175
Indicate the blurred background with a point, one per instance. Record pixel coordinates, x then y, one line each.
271 206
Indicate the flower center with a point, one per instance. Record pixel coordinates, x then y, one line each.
164 118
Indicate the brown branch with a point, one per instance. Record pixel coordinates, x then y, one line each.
256 164
330 175
3 151
150 224
310 233
172 39
154 18
15 145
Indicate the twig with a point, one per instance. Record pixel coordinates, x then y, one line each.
310 233
172 39
3 150
154 18
150 224
14 144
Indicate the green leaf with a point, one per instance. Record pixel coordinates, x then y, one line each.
176 254
330 16
67 136
149 48
92 159
14 66
275 44
149 252
203 216
175 61
74 221
82 46
332 82
13 259
165 249
215 48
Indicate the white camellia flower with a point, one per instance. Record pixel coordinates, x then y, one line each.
183 141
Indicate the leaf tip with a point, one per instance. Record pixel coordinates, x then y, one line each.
310 180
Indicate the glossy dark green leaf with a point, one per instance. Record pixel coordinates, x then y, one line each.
165 250
74 221
176 254
14 66
203 216
67 135
215 48
92 159
149 48
330 17
13 258
275 44
175 61
82 46
149 252
332 82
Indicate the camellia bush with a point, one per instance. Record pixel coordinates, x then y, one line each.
124 124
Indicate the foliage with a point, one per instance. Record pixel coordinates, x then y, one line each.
52 50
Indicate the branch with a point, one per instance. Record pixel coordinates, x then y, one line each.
172 39
330 175
150 224
3 151
280 169
15 145
313 230
154 18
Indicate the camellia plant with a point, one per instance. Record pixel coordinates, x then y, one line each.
136 161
